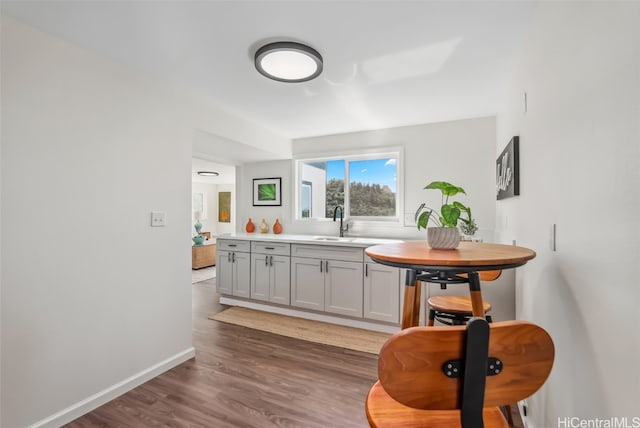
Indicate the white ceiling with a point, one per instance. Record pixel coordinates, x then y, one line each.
387 63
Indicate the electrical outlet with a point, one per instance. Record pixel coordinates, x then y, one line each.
409 219
158 219
523 407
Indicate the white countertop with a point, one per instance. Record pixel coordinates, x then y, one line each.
347 241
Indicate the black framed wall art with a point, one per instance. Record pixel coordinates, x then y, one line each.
267 192
508 170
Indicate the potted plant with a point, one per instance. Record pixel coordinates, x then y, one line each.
468 225
445 233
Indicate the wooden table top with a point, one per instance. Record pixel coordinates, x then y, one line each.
468 254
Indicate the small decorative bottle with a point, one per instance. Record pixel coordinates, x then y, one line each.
277 227
264 227
198 226
250 227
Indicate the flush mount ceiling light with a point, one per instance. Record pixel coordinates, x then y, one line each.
288 62
208 173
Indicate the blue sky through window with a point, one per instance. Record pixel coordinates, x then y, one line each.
335 169
374 171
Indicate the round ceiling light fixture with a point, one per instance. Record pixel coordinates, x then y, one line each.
208 173
288 62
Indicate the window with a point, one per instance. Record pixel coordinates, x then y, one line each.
198 205
365 185
306 192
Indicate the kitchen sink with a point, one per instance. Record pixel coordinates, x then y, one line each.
332 239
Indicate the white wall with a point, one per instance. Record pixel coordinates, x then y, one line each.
225 228
94 300
460 152
210 193
244 202
580 160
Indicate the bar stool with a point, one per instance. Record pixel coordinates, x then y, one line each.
457 310
457 377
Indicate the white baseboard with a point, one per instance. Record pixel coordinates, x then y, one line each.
384 328
96 400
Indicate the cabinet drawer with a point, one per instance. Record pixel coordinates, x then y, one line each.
275 248
233 245
328 252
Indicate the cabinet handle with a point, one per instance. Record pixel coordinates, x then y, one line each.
269 248
229 257
321 261
271 260
233 257
266 260
326 266
233 245
366 270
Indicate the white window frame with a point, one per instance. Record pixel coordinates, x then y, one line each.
199 200
353 155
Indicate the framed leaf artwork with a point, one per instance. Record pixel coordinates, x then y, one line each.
267 192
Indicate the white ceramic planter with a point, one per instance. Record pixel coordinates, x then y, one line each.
443 238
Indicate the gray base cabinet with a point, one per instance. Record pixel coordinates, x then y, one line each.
343 288
381 293
327 285
333 279
307 283
328 279
224 272
233 271
270 272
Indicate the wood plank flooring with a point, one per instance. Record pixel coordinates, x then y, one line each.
246 378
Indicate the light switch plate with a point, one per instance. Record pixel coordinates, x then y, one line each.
158 219
409 220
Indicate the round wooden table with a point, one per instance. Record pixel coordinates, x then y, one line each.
446 267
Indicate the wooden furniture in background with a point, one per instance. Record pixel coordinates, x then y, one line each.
446 266
203 255
457 310
458 376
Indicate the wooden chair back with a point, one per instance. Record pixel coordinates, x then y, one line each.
412 364
486 275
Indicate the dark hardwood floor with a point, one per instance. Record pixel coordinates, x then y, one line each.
246 378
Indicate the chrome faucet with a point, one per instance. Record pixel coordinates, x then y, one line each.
335 212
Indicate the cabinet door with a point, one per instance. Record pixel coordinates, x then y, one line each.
224 273
382 293
242 274
260 276
343 288
280 291
307 283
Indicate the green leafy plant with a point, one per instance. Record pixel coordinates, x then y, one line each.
468 225
449 213
267 192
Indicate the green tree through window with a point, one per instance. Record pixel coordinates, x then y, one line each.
371 192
